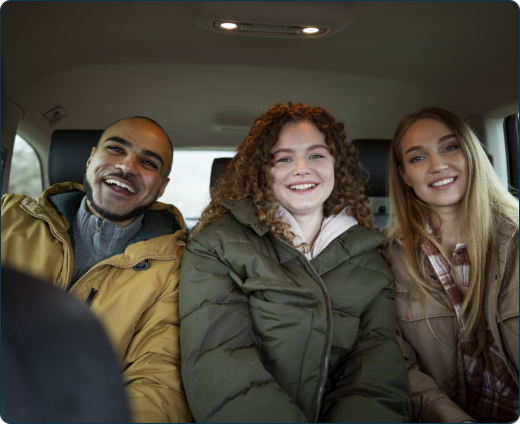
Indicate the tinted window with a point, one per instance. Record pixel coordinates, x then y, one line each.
26 172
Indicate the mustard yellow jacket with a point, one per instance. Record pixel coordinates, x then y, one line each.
137 305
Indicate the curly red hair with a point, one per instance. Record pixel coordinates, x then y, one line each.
249 173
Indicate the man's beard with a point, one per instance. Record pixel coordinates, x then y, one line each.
111 216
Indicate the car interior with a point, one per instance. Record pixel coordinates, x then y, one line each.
205 69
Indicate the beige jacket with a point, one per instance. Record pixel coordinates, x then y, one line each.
435 371
139 309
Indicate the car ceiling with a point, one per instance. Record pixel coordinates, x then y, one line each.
102 61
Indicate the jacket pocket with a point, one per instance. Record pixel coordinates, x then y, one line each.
436 351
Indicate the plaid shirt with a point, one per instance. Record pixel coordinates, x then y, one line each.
492 391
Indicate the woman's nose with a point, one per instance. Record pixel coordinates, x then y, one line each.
437 164
301 167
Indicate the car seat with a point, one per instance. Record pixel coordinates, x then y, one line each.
68 154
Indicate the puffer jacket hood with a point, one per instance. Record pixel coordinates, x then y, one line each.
133 292
268 336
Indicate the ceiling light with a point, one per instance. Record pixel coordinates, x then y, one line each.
228 25
269 30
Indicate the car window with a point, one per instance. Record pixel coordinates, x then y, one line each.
26 171
188 188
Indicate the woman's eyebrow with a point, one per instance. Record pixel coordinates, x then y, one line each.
440 140
316 146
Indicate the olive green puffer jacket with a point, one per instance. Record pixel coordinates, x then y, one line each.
268 336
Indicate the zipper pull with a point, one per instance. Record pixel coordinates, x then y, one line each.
98 228
90 297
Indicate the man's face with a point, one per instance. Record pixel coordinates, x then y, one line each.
126 171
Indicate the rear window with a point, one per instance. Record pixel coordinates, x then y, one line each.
188 188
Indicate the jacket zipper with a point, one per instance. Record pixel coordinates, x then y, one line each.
328 340
131 265
66 255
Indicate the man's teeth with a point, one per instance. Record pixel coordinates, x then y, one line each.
302 186
443 182
120 184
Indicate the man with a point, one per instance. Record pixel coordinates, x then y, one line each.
112 246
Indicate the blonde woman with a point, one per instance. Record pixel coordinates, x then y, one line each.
287 308
453 245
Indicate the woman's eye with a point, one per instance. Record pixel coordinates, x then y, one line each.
416 159
450 148
317 156
283 160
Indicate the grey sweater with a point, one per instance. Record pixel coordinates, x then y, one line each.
95 239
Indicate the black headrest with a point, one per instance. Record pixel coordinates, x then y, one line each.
373 155
68 154
218 169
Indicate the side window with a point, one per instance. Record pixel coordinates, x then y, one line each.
188 188
511 132
26 170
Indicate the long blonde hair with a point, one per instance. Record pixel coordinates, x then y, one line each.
485 200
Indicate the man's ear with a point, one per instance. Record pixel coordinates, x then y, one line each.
404 177
91 156
163 187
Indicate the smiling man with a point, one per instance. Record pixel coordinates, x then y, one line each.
113 246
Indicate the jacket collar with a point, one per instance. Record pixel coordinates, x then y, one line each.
353 241
60 203
245 213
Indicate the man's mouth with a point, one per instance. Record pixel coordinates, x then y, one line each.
443 182
301 187
119 186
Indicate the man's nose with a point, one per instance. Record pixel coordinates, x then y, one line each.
129 164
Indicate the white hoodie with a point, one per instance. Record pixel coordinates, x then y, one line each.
331 227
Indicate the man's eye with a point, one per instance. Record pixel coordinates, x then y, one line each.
116 149
283 160
317 156
148 163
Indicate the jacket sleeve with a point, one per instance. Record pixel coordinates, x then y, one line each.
224 378
370 382
151 366
430 404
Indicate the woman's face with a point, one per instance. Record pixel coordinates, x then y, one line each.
434 164
303 169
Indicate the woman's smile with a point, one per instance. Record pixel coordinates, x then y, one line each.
303 169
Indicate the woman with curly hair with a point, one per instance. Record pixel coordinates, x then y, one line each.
453 244
287 308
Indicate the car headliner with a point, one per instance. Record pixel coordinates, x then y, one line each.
102 61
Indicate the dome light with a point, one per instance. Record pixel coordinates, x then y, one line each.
228 25
311 30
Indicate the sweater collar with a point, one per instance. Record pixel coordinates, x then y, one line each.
60 203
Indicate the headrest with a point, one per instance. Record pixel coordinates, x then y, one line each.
218 169
68 154
373 155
